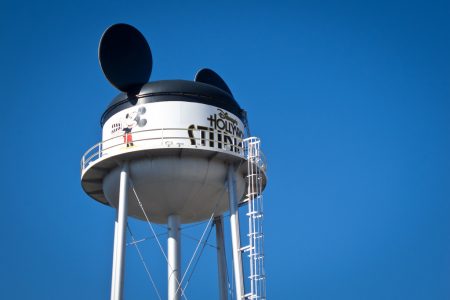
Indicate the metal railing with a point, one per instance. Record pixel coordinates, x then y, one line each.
217 140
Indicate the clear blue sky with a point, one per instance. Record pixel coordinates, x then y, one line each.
350 99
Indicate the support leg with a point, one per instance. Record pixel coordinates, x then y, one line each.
235 234
113 280
120 237
221 259
173 257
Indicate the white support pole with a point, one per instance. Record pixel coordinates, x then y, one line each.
113 280
173 258
235 234
120 236
221 259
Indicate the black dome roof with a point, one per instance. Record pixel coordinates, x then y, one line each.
175 90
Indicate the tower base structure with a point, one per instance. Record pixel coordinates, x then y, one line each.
181 185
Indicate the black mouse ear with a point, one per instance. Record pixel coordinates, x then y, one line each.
208 76
125 57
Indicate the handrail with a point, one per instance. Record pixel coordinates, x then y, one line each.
98 150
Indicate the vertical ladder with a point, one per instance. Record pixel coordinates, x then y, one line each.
255 248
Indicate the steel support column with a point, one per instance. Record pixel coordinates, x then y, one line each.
221 259
120 236
173 257
235 234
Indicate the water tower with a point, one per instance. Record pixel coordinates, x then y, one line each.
175 152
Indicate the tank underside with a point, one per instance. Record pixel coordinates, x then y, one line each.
183 182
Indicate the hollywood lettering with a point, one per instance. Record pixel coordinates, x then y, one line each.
223 133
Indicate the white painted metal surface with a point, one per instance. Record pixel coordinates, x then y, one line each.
221 259
191 123
182 184
235 234
162 138
120 236
173 258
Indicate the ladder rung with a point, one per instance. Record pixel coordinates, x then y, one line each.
252 194
255 234
253 175
255 214
246 248
256 256
257 276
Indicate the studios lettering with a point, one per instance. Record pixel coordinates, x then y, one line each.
223 132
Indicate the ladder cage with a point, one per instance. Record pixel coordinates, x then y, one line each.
255 248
